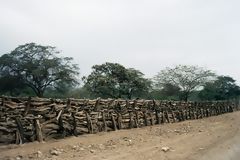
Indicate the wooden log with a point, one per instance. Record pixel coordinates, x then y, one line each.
201 110
163 117
167 116
195 114
145 119
89 123
113 122
18 138
207 112
3 101
230 108
61 130
59 114
186 114
104 121
68 103
158 118
136 119
131 121
38 129
151 118
28 105
119 120
96 105
182 115
20 131
173 116
74 131
189 113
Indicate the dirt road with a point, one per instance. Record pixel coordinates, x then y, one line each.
214 138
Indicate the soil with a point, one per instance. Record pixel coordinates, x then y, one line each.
214 138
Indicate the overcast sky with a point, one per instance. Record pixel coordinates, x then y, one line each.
144 34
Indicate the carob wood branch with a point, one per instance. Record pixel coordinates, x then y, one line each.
25 120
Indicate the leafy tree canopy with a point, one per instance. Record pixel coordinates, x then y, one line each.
166 92
223 88
38 67
187 78
112 80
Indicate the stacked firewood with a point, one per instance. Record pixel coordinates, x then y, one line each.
29 119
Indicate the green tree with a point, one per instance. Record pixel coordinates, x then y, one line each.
38 67
223 88
166 92
112 80
11 85
187 78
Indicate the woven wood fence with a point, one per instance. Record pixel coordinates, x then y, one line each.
29 119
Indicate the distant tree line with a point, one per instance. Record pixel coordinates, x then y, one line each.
36 70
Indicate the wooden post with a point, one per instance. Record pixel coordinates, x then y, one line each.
61 126
167 116
96 105
131 120
113 122
18 138
28 105
119 119
201 113
173 116
182 115
207 112
163 117
20 130
74 125
89 123
189 113
68 103
151 118
137 119
158 118
194 114
3 100
104 121
38 130
145 119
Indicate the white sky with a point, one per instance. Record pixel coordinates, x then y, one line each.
148 35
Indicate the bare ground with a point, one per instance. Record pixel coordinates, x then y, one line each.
214 138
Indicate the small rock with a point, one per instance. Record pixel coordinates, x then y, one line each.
101 146
55 152
165 149
90 146
177 131
39 154
61 150
31 156
75 147
92 151
81 149
130 142
19 157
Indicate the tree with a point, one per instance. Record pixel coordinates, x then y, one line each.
187 78
223 88
166 92
112 80
11 85
38 67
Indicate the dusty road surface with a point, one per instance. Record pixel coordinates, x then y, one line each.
214 138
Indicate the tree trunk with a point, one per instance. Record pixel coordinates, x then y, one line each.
185 95
39 92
